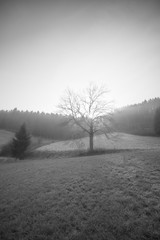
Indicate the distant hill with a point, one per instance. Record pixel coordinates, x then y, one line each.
137 118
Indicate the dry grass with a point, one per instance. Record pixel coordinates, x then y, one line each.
114 196
39 141
117 141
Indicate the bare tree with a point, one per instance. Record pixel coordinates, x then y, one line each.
90 110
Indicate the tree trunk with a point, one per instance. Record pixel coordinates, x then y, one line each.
91 138
91 142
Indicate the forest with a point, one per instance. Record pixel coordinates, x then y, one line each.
135 119
54 126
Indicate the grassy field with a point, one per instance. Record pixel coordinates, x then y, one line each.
117 141
112 196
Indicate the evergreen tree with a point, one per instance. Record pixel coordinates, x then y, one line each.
20 142
157 122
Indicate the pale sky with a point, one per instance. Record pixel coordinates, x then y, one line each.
47 46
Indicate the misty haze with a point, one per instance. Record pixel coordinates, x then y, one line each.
79 119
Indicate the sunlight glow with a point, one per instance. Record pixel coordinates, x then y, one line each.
67 45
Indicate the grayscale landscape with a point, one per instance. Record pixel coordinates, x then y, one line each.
80 120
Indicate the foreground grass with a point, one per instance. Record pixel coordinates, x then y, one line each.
112 196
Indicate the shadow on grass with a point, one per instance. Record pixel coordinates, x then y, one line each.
73 153
100 151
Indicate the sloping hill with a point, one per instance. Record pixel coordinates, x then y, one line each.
117 141
5 137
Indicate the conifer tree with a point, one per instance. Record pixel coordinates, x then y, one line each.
20 143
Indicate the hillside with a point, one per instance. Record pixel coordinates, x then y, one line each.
117 141
6 136
138 118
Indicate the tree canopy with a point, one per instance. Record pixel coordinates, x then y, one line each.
90 110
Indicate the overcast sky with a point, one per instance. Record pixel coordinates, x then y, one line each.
47 46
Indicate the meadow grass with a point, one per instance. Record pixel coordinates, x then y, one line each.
116 141
112 196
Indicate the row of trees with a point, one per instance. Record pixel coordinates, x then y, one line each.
135 119
138 119
42 124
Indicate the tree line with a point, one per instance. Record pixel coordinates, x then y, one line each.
40 124
140 119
